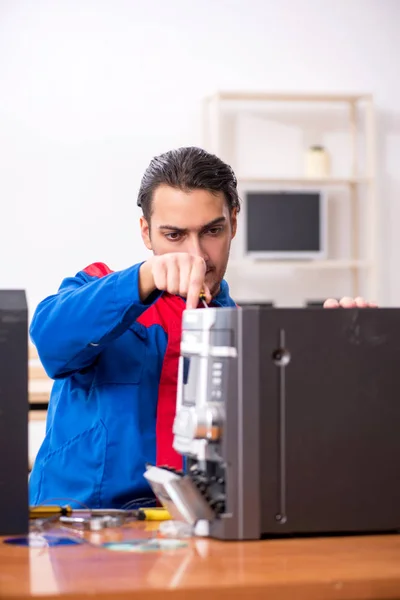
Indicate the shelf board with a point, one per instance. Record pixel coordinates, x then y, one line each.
289 97
300 264
327 181
37 415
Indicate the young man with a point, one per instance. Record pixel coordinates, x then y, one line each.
111 339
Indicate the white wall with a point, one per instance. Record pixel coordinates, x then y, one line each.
90 90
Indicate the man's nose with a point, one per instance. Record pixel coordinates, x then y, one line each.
195 247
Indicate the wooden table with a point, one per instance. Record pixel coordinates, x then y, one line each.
300 569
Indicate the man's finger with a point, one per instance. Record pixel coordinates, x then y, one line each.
347 302
331 303
360 302
207 293
172 277
193 294
160 275
196 283
184 275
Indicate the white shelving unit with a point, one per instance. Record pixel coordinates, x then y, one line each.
328 181
358 183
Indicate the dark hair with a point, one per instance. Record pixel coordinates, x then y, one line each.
188 169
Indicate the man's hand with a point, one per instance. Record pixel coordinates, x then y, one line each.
349 303
176 273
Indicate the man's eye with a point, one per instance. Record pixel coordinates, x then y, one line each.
214 230
174 236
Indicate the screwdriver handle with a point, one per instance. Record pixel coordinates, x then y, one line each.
153 514
44 512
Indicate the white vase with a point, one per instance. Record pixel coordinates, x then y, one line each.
317 163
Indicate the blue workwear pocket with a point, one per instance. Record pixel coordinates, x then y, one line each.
74 471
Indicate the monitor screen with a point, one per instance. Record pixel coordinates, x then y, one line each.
284 223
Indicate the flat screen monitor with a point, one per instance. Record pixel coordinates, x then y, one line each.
285 225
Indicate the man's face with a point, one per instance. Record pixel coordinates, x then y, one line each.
197 222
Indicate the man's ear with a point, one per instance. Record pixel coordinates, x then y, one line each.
145 231
234 222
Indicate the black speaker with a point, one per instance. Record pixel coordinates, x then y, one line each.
14 507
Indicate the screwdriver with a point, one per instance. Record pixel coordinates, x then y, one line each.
142 514
153 514
45 512
202 298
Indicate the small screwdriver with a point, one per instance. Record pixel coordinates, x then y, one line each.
202 298
142 514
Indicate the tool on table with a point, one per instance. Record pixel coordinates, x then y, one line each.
41 512
153 514
98 518
94 523
46 512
